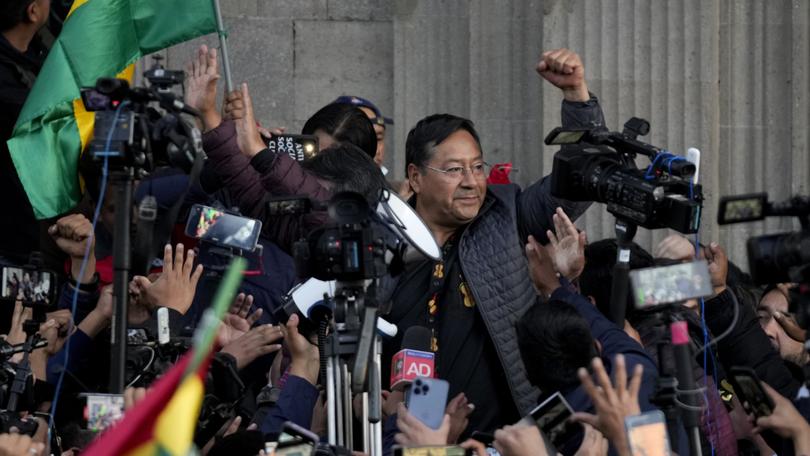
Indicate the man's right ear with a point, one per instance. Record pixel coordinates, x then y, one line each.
414 177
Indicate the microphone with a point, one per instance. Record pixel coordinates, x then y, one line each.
693 156
414 359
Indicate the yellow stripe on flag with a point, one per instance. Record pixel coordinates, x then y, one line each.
85 119
76 4
174 430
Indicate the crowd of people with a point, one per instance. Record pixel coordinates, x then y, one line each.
517 307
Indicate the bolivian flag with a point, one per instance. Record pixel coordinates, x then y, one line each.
163 423
100 38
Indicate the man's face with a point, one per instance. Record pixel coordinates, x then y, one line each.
444 200
788 348
379 130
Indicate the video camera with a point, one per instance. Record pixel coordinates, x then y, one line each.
130 131
772 258
351 248
601 167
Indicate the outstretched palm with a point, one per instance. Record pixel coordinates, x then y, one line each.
567 246
201 84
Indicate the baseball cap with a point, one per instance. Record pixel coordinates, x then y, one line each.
362 102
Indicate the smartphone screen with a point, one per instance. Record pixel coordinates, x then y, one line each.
102 411
647 434
28 285
219 227
670 284
298 147
553 418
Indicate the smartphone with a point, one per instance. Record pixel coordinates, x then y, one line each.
647 434
298 147
670 284
427 400
553 418
29 285
102 410
224 229
750 392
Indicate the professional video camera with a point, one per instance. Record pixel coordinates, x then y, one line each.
344 260
772 258
130 131
136 131
602 168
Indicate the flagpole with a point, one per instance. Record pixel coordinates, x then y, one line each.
223 47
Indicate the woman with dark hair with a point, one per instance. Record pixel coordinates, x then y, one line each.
340 123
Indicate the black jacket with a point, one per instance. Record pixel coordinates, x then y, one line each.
19 232
491 251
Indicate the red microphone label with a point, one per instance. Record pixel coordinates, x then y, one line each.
406 365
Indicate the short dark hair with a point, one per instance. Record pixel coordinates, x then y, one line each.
345 123
13 12
596 279
430 132
349 169
554 342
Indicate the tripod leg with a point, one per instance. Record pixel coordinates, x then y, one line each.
331 401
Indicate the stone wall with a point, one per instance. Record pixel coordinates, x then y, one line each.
730 77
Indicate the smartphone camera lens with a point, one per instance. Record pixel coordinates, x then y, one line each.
425 388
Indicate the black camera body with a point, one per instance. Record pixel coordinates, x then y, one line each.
349 249
131 132
597 165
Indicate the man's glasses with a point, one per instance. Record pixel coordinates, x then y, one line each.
478 170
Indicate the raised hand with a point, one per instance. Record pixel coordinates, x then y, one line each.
305 356
785 421
564 69
201 86
718 266
72 233
459 410
613 401
239 108
541 268
177 283
239 319
257 342
567 247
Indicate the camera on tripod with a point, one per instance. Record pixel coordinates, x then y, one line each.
772 258
599 165
130 131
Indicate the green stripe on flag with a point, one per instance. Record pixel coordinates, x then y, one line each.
99 39
212 318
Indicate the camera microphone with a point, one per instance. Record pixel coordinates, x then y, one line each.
693 157
414 359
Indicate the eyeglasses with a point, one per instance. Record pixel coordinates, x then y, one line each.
477 170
